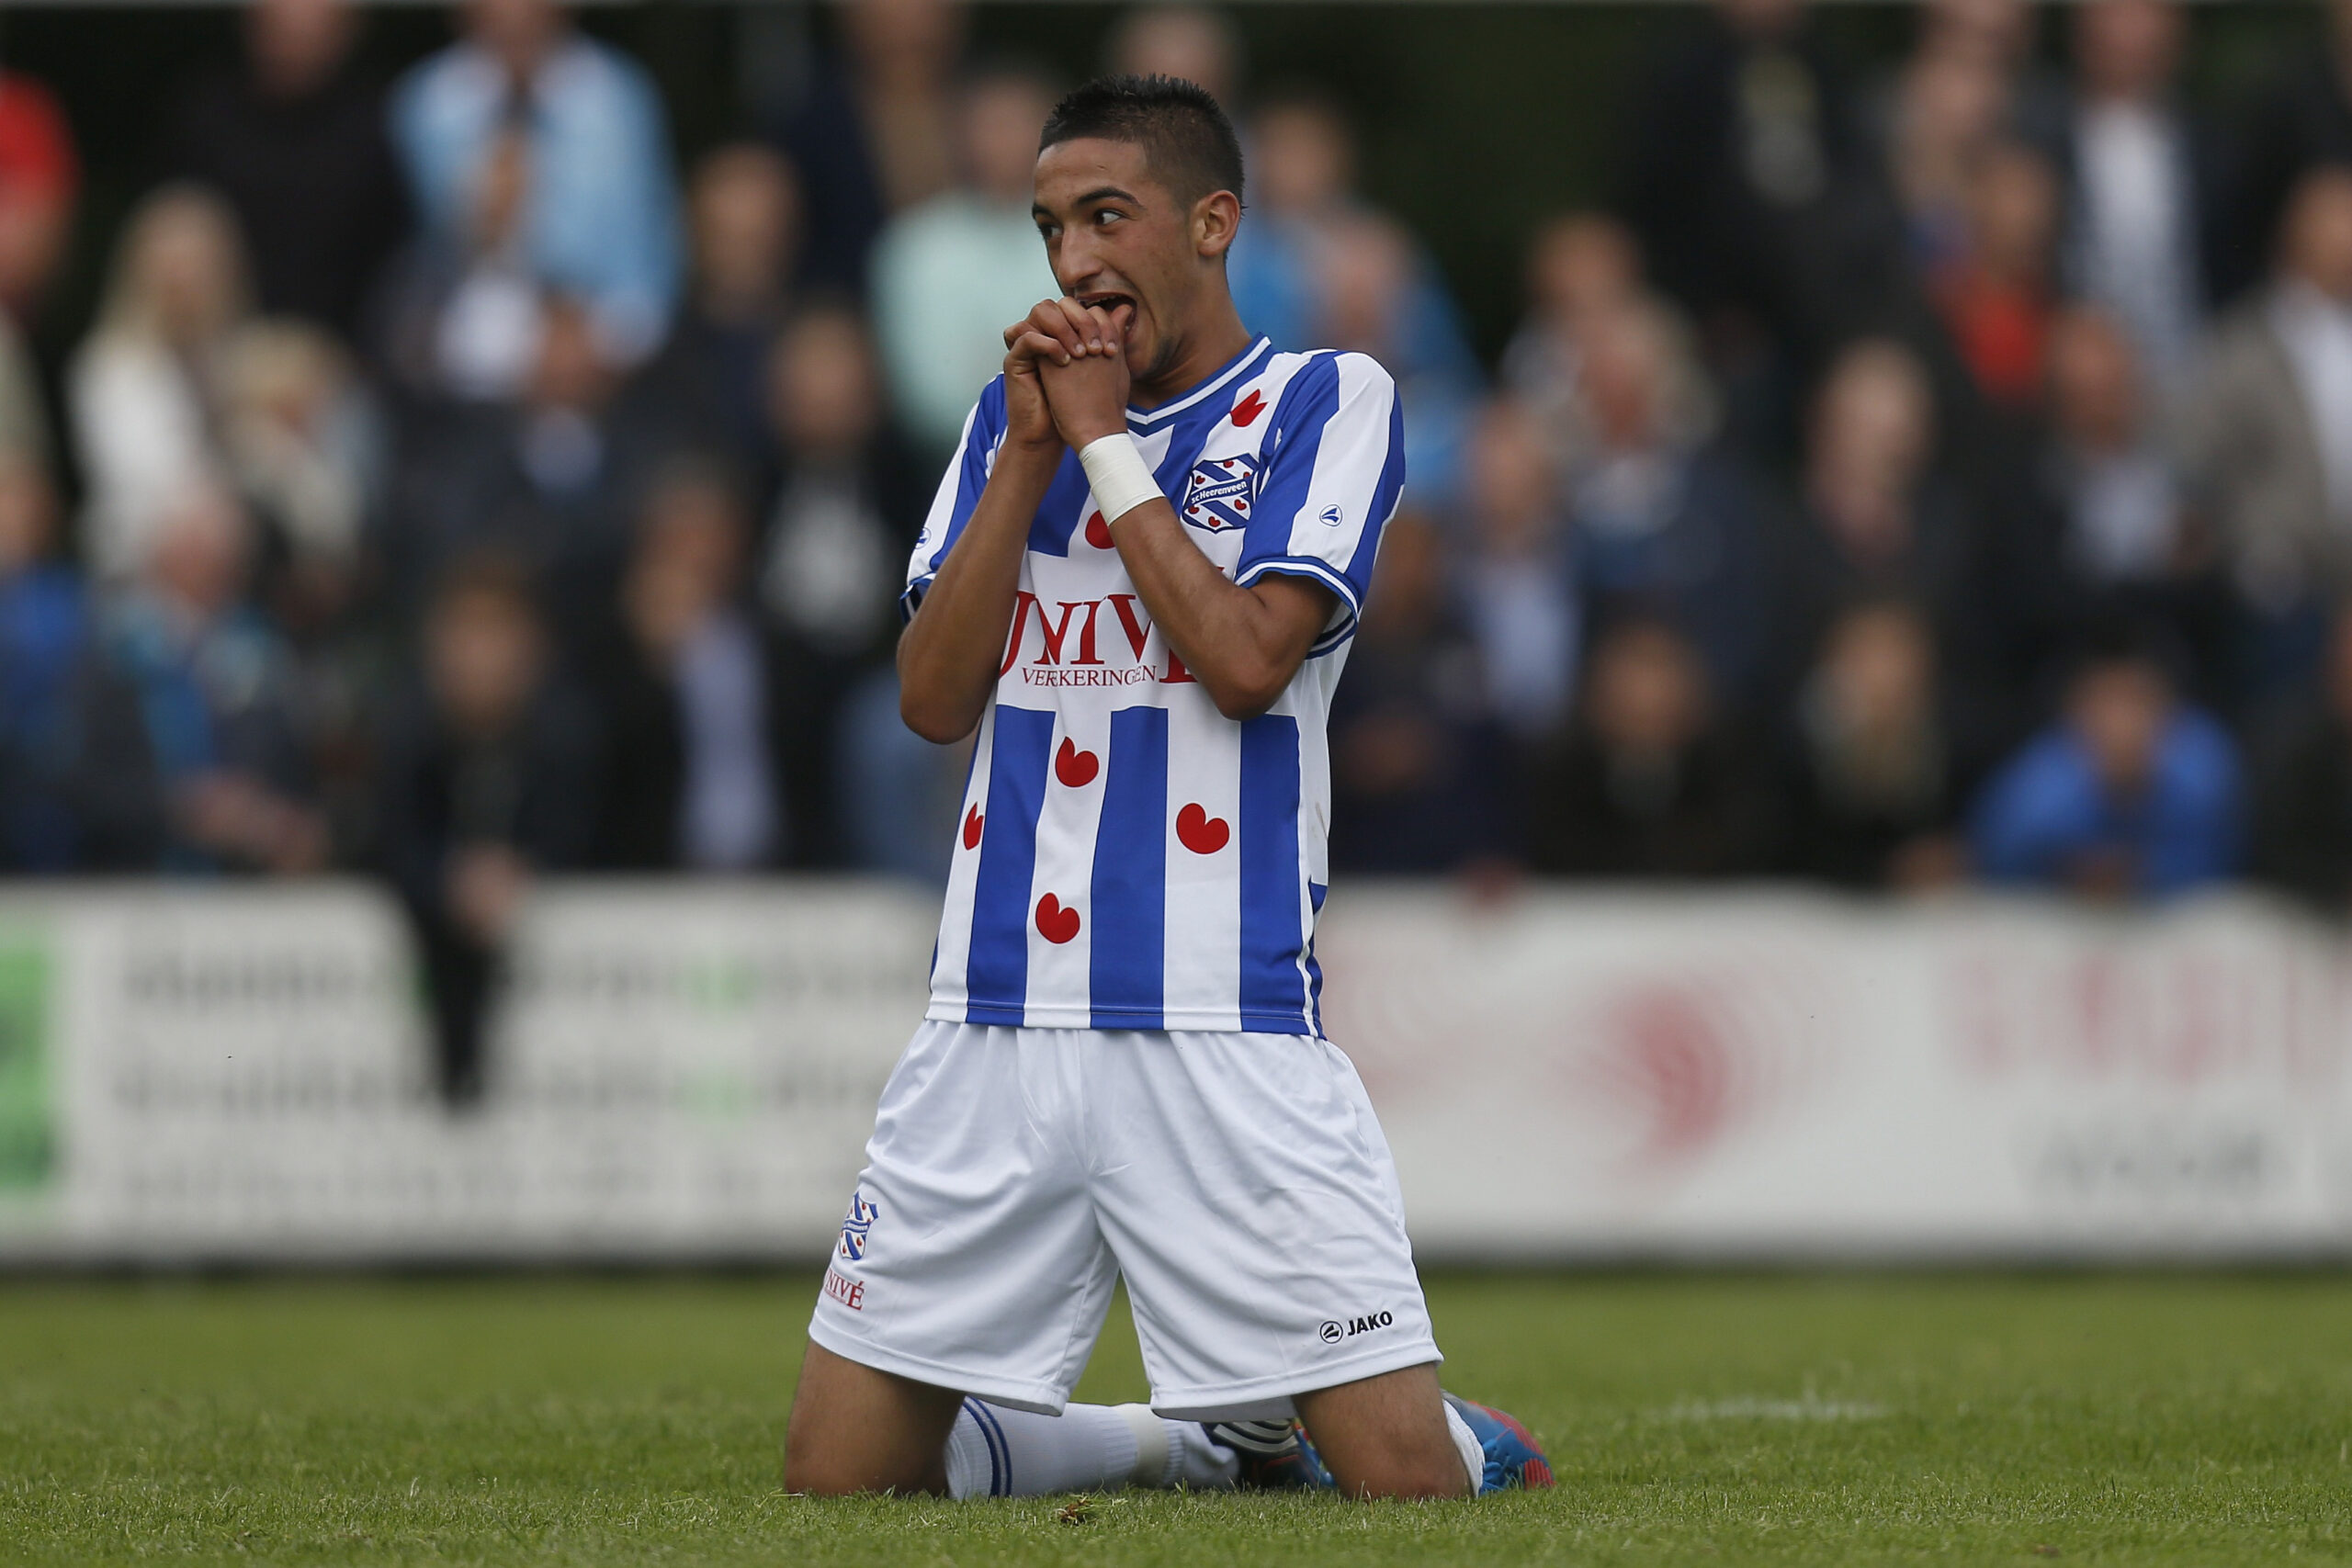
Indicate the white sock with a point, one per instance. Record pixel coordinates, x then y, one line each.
996 1452
1474 1455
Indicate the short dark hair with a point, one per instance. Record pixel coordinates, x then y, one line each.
1184 133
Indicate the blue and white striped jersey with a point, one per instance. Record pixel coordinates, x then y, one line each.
1128 857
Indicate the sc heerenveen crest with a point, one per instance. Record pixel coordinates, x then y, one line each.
1221 492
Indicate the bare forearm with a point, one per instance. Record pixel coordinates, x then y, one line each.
1243 644
949 653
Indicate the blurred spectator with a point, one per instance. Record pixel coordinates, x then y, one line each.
1948 108
492 776
2131 794
2117 534
1647 784
550 480
2143 181
1370 298
743 211
692 703
1315 266
952 271
2000 32
459 317
1994 295
1190 43
1518 579
44 635
1874 520
1664 521
24 419
1301 172
2300 119
143 388
1749 183
1418 778
2302 819
875 131
2270 438
40 178
1582 268
216 691
302 441
831 561
298 438
599 218
2123 506
294 138
1874 802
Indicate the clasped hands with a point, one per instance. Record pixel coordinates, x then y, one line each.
1066 375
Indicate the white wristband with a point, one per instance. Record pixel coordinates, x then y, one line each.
1117 475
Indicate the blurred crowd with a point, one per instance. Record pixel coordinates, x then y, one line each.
1906 475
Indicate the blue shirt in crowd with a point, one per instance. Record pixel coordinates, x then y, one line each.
44 625
602 204
2047 809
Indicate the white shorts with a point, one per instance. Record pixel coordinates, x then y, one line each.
1239 1183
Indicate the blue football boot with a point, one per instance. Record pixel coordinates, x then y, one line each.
1513 1457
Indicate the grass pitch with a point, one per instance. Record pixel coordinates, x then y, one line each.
1691 1418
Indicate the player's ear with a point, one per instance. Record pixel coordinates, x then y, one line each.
1215 217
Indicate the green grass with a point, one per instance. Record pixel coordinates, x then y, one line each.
1692 1419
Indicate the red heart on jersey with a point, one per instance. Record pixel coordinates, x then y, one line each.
972 821
1056 923
1097 533
1200 833
1247 410
1074 767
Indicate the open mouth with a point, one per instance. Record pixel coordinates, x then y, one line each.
1111 304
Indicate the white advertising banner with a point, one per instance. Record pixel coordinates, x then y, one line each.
1776 1075
688 1071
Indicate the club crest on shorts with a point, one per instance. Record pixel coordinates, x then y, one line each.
862 1215
1221 492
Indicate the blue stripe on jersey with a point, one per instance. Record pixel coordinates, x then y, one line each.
1130 894
996 972
1306 405
1315 895
1383 496
984 430
1315 986
1068 501
1272 996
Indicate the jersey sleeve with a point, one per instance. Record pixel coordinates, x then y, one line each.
959 491
1335 467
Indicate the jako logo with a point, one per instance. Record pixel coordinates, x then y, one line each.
1333 1331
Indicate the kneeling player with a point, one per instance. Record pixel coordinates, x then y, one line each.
1138 583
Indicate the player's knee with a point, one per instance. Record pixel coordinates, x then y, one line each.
817 1470
1405 1473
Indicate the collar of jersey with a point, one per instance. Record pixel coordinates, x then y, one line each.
1233 367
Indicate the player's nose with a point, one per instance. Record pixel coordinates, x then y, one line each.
1076 264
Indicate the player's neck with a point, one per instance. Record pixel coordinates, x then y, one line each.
1203 350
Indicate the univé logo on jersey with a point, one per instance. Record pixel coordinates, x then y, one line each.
1220 492
1333 1330
1075 643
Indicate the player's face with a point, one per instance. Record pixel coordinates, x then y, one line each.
1118 238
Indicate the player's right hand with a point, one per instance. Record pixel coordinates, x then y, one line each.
1058 331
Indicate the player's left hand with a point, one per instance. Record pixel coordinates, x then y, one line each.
1088 395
